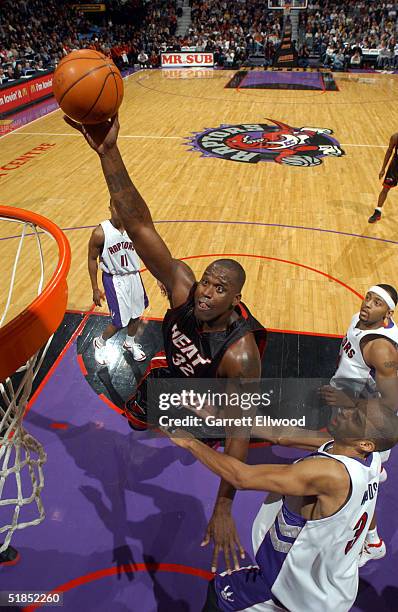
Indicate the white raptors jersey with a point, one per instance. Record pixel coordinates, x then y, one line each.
351 366
312 565
118 253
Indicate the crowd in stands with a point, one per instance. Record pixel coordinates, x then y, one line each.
36 34
340 33
234 29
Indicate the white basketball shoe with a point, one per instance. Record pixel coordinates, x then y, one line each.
99 351
371 552
136 350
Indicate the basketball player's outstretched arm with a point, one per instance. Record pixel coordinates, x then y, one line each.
305 478
134 212
295 437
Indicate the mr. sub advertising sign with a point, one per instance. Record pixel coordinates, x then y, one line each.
187 60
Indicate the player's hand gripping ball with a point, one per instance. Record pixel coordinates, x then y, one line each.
88 86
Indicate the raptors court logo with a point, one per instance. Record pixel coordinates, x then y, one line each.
275 142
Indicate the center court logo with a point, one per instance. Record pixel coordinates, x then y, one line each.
279 143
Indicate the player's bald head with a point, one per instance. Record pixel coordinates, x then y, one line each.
231 269
381 425
368 421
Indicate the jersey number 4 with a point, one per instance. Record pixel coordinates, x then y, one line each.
359 527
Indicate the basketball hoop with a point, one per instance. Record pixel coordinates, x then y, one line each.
22 341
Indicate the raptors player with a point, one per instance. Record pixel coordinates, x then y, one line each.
307 537
368 365
207 332
368 352
122 283
390 179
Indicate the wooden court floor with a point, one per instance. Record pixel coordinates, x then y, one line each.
300 232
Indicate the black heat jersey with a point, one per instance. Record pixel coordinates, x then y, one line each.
193 352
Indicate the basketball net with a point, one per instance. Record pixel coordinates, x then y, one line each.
19 451
21 455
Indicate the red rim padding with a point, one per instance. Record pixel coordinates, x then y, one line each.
30 330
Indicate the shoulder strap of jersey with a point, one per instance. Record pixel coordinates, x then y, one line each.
258 330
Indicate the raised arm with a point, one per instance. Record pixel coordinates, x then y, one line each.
134 212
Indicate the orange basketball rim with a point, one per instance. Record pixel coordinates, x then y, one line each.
22 337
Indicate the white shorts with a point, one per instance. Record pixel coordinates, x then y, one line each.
126 297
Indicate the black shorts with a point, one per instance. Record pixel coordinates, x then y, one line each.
142 412
391 177
211 604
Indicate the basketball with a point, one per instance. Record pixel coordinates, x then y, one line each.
88 86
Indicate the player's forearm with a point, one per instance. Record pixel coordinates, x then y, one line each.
386 401
222 464
129 204
238 474
295 437
389 393
92 270
235 448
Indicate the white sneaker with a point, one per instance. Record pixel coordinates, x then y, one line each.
99 352
371 552
136 351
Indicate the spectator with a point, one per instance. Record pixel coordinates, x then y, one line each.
143 59
304 55
356 59
329 55
229 59
18 71
10 73
395 60
338 60
384 56
154 60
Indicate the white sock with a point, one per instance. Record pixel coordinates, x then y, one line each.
101 342
378 208
130 340
372 537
